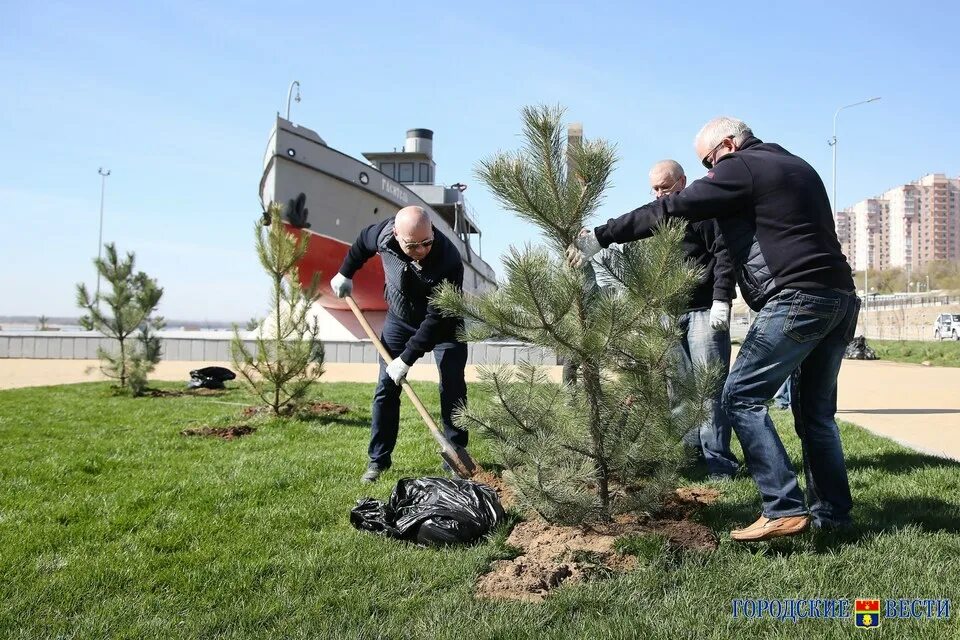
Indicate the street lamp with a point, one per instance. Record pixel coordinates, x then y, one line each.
103 187
833 143
295 83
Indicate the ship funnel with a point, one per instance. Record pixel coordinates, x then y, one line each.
419 141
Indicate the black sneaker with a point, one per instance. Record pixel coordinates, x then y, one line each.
372 474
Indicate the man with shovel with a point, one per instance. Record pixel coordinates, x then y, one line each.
416 259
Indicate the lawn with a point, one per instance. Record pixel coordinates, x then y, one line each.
940 354
114 525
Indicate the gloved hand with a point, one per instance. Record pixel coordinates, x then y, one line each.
584 247
342 285
397 370
720 315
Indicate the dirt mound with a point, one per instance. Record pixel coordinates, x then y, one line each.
683 502
553 555
498 484
319 409
227 433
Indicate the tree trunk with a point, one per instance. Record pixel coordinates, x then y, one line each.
591 384
277 290
123 363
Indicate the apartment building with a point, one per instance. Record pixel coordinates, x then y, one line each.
908 226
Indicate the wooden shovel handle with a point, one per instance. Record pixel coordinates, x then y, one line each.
406 385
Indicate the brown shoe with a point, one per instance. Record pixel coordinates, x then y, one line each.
766 528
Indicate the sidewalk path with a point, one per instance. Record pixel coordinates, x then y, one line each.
914 405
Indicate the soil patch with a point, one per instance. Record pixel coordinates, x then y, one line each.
553 555
312 409
226 433
498 484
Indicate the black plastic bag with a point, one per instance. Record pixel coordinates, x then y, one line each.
210 378
432 512
859 350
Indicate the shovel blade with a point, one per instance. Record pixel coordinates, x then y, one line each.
460 461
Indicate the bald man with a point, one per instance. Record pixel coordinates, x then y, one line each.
416 259
706 322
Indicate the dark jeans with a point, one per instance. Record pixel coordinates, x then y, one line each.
781 399
705 345
806 332
451 358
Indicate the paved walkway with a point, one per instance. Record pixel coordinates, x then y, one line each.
913 405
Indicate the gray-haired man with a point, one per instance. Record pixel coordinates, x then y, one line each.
776 220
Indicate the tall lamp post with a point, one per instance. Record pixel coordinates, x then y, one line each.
833 143
295 83
103 188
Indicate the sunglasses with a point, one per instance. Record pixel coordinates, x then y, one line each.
707 162
422 243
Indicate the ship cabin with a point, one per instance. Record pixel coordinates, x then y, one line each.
415 169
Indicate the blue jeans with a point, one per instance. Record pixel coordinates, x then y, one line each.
782 397
703 344
806 332
451 358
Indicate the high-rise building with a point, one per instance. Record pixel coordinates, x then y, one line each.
908 226
842 222
869 230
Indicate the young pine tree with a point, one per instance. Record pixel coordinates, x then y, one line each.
289 358
129 308
612 443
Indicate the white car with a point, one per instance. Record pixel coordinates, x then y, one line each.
947 327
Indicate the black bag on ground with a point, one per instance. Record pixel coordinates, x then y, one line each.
860 350
210 378
432 511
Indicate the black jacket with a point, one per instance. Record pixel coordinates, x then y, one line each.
773 213
704 247
408 288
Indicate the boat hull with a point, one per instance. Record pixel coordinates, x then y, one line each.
343 197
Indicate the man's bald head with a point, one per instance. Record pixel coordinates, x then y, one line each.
667 177
411 220
412 228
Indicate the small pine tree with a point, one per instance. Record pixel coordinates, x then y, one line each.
285 364
584 452
131 304
42 323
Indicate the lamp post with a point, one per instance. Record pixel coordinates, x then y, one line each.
295 83
833 143
103 188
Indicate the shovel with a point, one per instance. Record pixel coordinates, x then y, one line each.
457 457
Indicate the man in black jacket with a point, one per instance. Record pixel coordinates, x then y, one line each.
706 322
416 259
775 217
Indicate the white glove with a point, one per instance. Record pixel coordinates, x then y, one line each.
584 247
342 285
397 370
720 315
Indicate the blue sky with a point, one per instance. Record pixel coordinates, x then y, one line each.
177 99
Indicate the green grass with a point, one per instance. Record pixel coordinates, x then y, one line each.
114 525
940 354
